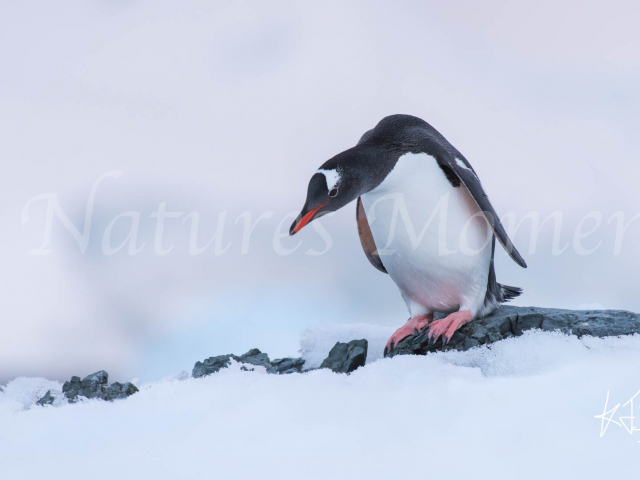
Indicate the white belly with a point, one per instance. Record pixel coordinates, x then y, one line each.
432 238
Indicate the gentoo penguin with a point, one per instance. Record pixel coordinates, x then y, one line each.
423 218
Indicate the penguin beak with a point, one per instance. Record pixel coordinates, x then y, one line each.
303 219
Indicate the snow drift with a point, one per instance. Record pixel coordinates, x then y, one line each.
523 407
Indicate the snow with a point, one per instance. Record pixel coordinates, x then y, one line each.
23 392
523 408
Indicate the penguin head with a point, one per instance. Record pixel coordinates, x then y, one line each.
334 185
359 169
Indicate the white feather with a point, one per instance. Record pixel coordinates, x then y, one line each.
332 177
463 165
432 237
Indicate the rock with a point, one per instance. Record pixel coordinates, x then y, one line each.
346 357
120 390
284 366
215 364
211 365
252 357
98 378
46 400
255 357
71 389
96 386
509 321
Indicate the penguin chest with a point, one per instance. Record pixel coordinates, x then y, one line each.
432 237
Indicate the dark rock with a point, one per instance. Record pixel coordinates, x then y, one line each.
255 357
72 385
94 391
215 364
98 378
120 390
346 357
284 366
509 321
46 400
211 365
96 386
71 389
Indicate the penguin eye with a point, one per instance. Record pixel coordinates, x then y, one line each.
333 192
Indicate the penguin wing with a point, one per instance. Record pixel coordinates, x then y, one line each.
366 238
457 164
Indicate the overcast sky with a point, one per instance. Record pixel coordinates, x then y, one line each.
223 108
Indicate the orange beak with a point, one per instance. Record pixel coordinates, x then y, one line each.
296 227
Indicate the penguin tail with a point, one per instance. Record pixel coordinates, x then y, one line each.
509 293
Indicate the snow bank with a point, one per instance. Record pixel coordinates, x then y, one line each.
23 392
523 408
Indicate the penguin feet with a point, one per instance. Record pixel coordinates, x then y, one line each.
412 327
447 326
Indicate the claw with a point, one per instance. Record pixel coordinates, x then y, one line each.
447 326
413 327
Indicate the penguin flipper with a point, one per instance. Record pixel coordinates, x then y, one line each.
366 238
465 172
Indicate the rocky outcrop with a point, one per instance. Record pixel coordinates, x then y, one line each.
95 385
509 321
343 358
211 365
252 357
47 399
346 357
255 357
286 365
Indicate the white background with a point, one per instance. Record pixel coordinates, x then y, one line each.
218 107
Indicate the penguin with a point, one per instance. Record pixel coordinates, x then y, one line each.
423 218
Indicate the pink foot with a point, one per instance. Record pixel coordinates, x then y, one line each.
448 325
412 327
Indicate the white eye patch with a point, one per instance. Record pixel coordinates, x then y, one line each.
332 177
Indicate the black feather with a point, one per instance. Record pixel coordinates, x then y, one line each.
454 180
509 293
